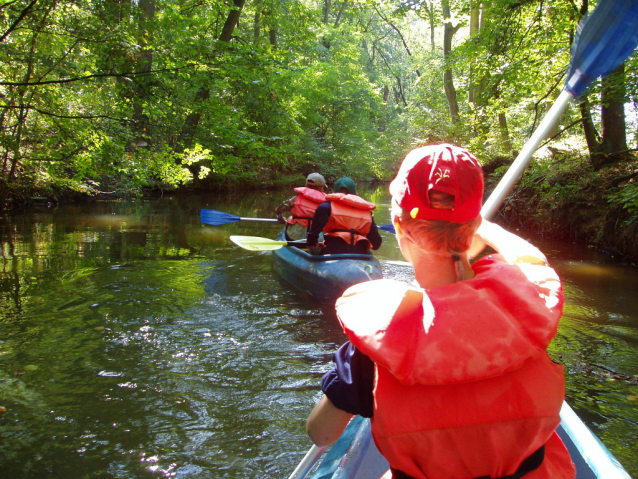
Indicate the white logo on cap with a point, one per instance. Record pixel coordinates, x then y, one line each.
441 175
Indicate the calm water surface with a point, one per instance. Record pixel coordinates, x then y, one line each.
137 343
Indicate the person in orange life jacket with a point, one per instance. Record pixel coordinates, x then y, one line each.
302 207
346 221
452 371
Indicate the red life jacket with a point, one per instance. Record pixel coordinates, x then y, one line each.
464 387
350 218
305 205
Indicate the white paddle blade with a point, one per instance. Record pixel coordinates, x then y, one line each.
255 243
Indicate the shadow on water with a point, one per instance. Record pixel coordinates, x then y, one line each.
137 343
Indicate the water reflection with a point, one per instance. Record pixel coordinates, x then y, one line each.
135 342
597 342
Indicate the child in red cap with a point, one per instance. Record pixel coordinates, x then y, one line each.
453 371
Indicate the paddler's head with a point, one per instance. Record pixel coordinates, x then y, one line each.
437 197
345 185
315 181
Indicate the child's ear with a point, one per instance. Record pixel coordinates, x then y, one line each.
398 229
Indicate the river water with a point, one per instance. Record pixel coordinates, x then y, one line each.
136 342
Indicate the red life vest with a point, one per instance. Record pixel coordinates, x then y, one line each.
305 204
350 218
464 387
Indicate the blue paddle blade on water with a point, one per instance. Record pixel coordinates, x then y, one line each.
217 218
604 40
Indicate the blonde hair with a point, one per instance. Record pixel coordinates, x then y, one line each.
437 236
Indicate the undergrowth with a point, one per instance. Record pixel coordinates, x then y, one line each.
565 198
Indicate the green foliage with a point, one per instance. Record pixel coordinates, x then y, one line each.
626 198
557 181
119 96
514 65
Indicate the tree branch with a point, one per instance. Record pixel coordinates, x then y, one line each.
13 26
5 5
620 179
67 117
561 132
405 103
99 75
405 45
549 92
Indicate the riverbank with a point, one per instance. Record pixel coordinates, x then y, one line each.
565 199
560 198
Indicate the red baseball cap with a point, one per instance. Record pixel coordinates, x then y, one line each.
446 168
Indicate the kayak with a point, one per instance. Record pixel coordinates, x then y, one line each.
324 277
354 455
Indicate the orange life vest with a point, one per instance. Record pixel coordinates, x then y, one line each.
305 204
350 218
464 387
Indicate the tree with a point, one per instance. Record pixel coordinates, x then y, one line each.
143 81
20 98
475 28
448 80
611 144
189 129
343 86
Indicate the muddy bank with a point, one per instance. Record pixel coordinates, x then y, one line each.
565 199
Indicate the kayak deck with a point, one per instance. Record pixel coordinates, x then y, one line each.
324 277
355 456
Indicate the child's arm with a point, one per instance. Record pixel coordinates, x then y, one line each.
513 248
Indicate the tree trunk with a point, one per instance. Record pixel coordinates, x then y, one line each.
326 12
5 154
187 135
257 27
613 143
506 142
608 148
344 4
189 130
448 82
475 25
613 112
429 8
591 135
232 21
143 81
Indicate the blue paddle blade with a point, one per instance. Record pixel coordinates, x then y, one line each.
604 40
387 227
217 218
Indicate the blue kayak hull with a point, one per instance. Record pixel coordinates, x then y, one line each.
355 456
324 277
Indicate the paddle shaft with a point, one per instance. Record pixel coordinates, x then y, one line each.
494 202
263 220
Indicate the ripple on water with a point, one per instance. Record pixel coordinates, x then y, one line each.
231 379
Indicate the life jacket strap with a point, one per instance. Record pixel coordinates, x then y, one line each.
309 218
345 230
530 464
